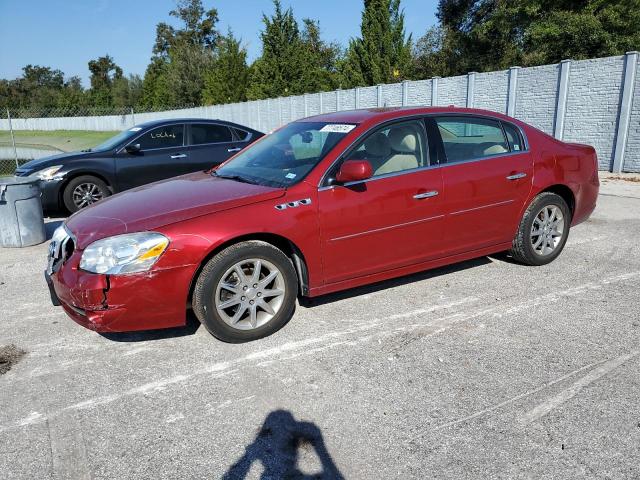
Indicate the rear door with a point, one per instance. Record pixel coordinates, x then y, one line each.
162 155
487 178
210 144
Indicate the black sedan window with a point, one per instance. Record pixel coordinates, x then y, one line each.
162 137
202 133
240 134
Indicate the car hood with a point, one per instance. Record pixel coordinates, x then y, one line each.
162 203
44 162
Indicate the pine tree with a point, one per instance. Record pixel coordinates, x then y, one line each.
181 57
319 60
292 62
383 53
227 80
104 73
278 70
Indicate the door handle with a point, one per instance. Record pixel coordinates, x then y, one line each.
516 176
231 150
180 155
420 196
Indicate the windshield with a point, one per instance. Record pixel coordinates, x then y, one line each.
116 140
286 156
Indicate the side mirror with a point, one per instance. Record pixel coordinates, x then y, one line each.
133 148
354 170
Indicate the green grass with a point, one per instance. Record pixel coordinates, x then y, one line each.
64 140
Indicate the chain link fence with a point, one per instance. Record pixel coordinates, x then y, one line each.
19 145
86 111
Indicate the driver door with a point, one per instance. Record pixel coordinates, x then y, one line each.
162 155
391 220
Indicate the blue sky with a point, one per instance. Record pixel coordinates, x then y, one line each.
66 34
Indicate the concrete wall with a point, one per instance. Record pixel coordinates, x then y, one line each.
587 101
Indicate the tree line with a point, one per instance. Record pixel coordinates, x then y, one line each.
195 63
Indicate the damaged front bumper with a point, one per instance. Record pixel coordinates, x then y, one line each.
121 303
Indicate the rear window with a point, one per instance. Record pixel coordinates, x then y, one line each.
467 138
241 135
513 135
209 133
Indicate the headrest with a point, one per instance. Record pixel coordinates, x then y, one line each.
377 145
403 139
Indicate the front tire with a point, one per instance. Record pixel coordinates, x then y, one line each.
246 292
543 230
83 191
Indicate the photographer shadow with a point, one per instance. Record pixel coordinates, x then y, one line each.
278 445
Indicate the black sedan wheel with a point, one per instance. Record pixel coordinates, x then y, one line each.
83 191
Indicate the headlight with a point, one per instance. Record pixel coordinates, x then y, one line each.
47 173
129 253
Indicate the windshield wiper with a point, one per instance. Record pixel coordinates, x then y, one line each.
237 178
86 150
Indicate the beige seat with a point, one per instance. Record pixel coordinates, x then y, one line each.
494 150
404 142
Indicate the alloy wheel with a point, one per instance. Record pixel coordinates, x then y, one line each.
547 230
86 194
250 294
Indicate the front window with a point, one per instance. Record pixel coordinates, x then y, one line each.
396 148
286 156
162 137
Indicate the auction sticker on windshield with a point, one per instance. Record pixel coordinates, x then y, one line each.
337 128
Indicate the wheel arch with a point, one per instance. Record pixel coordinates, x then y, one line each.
565 192
288 247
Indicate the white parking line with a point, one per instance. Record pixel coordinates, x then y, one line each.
498 406
545 407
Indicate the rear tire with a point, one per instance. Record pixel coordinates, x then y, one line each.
543 230
83 191
246 292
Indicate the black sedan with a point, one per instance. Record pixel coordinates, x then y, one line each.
143 154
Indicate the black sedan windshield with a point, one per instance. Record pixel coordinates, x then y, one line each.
116 140
285 157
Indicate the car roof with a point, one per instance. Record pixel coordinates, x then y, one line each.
390 113
168 121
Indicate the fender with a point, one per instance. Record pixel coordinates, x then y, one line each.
569 170
297 233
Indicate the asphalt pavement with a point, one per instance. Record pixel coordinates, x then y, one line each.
483 369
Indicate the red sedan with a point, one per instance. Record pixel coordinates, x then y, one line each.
323 204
